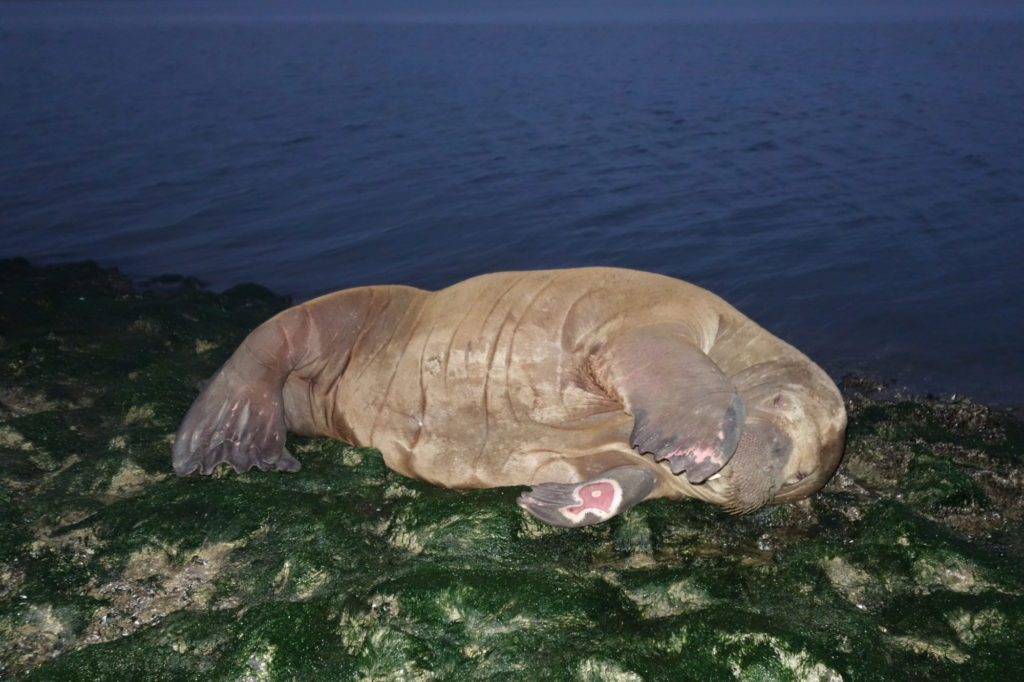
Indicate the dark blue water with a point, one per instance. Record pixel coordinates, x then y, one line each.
857 187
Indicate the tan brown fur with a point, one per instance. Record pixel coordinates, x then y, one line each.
517 379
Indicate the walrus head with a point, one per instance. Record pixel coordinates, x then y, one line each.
792 439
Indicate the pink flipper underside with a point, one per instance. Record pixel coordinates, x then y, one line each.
600 498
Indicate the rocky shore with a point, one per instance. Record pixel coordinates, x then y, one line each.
908 565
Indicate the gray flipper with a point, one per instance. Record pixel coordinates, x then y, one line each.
685 410
239 417
589 502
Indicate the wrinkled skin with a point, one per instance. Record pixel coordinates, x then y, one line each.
598 387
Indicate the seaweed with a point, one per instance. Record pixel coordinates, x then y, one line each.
907 565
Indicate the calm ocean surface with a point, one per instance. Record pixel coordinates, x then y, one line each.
856 187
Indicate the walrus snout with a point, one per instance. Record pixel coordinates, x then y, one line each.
804 483
756 470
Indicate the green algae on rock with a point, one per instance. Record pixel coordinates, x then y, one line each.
908 564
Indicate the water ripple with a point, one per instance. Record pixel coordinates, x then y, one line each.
857 187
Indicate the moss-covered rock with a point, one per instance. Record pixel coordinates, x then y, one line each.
907 566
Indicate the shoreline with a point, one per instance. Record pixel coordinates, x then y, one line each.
112 567
881 385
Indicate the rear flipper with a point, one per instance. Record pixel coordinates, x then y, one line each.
239 417
236 421
589 502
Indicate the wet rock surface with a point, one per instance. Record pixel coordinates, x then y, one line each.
908 565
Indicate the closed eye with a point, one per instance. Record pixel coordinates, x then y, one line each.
797 477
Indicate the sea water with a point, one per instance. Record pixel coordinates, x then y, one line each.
856 185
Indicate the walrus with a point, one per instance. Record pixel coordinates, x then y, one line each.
597 387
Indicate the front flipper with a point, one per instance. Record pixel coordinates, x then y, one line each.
685 410
590 502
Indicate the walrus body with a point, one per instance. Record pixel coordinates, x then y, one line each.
599 387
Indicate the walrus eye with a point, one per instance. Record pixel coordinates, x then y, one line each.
797 477
781 402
